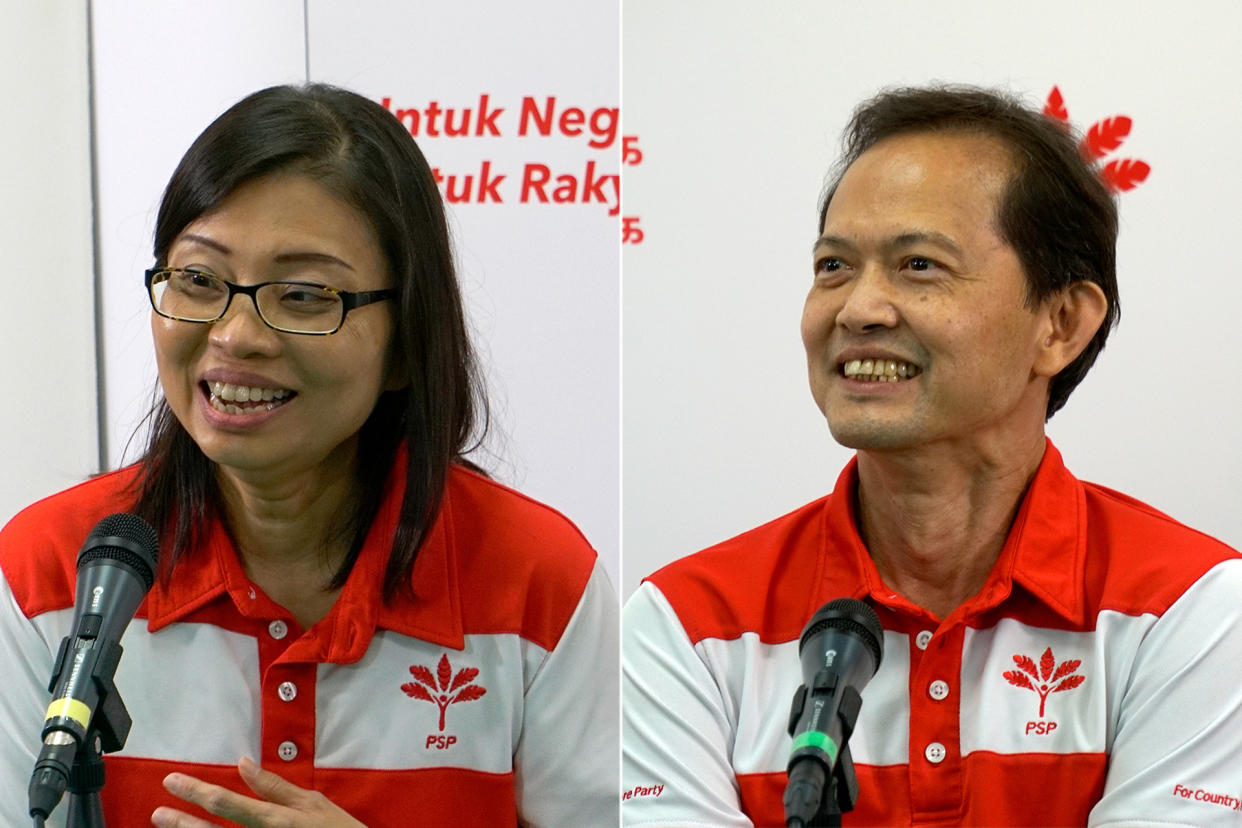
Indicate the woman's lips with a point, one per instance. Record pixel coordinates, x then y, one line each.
233 405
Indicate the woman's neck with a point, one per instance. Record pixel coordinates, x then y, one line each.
291 530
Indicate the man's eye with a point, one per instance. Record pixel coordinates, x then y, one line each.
828 264
920 263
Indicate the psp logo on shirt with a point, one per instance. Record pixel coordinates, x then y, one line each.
443 689
1045 679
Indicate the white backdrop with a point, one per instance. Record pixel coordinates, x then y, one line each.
541 279
738 110
47 373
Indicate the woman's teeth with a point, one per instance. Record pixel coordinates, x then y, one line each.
879 370
225 396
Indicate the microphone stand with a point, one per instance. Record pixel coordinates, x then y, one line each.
109 728
840 794
86 780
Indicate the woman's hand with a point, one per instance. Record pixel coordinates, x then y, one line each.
280 804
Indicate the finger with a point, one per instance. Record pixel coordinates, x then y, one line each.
217 800
270 786
172 818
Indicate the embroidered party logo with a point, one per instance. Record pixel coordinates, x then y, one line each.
1102 138
1046 679
443 689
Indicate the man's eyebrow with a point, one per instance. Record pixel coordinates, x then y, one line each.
292 257
831 241
898 242
923 237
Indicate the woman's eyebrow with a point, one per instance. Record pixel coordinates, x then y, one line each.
292 257
297 257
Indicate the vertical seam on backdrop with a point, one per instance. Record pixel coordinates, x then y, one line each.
306 36
101 407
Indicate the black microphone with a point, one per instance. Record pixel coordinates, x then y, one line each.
840 649
116 567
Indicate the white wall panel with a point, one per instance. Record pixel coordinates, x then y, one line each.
541 280
47 318
738 109
163 71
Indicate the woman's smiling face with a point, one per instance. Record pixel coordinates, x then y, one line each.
307 395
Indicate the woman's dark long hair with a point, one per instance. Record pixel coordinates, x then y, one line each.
360 153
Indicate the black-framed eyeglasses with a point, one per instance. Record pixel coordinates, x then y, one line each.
291 307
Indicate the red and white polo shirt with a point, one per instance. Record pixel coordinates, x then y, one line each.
1095 679
488 699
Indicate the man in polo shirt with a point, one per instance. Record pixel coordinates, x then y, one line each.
1055 653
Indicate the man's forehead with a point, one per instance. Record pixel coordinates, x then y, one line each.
912 182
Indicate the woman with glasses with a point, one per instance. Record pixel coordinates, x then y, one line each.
351 624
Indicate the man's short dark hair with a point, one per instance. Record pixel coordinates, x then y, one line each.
1055 212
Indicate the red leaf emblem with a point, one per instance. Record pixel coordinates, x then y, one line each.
1124 174
1026 665
1066 668
417 691
1018 679
422 674
1046 663
1069 684
1105 136
1102 138
469 693
464 676
1048 671
444 671
1054 107
437 689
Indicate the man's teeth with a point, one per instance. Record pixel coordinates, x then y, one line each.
223 393
879 370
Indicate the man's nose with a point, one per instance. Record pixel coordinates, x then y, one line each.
870 301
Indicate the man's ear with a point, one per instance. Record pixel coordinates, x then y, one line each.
1072 318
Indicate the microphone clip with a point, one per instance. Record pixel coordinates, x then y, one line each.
72 755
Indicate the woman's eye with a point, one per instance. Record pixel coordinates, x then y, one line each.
307 298
192 281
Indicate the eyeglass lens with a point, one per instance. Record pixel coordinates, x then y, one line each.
287 306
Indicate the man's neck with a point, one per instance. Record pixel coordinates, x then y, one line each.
935 519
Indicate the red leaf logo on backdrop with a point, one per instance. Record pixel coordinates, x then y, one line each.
1055 107
1102 138
1048 677
444 688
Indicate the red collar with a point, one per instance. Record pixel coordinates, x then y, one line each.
1044 552
433 614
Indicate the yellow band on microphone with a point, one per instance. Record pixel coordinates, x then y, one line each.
70 709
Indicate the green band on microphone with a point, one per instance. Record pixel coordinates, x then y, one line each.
815 739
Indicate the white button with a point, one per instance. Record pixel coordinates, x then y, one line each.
938 689
277 629
935 752
923 639
289 691
250 593
289 751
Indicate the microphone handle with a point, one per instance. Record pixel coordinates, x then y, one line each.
804 793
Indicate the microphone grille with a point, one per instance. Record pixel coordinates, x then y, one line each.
851 616
125 538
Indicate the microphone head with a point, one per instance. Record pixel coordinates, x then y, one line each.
852 617
126 539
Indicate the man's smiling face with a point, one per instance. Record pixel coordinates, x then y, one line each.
917 327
